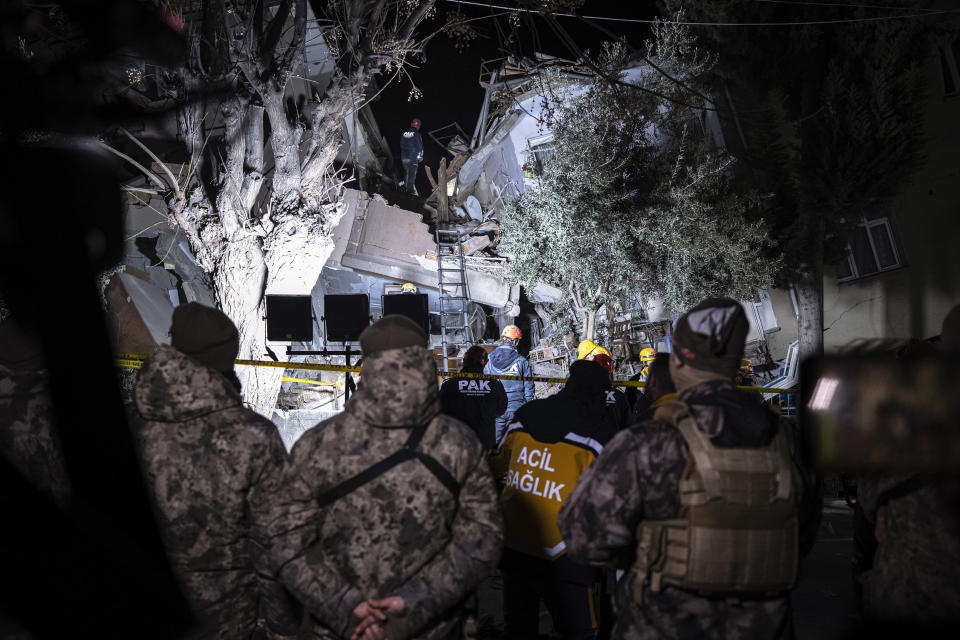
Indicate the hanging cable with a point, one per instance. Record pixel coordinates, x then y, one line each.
798 23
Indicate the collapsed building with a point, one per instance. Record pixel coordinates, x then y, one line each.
445 243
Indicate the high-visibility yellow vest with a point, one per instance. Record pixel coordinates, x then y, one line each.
538 477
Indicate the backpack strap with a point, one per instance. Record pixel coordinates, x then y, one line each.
407 452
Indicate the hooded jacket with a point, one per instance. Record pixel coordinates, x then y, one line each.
476 403
506 361
402 533
637 478
547 447
212 466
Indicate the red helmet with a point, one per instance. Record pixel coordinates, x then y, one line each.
415 123
605 360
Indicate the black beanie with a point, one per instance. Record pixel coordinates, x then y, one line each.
391 332
205 334
711 335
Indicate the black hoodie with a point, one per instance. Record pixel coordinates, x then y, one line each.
477 403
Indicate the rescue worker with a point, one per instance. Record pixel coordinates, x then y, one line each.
618 409
212 466
690 495
659 389
411 154
388 517
546 449
646 358
745 374
476 403
506 361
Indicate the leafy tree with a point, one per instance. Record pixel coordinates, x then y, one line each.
633 203
831 122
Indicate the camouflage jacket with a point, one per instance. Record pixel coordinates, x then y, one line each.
211 465
28 439
915 577
404 532
635 478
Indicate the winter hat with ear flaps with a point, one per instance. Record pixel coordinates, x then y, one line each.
391 332
205 334
711 335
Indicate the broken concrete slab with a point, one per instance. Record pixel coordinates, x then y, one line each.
396 244
152 304
475 244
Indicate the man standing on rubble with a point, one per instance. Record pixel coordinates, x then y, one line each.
212 465
506 361
700 505
411 154
388 516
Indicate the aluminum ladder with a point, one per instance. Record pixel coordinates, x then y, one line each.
452 281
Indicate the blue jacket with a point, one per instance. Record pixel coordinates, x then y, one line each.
505 361
411 145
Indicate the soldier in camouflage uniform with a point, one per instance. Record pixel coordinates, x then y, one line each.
915 577
425 531
28 439
211 465
637 478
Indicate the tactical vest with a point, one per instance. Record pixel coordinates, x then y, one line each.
736 534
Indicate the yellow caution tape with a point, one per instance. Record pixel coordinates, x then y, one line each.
304 380
135 360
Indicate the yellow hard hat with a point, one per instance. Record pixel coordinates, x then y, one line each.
648 354
585 349
408 287
746 368
599 351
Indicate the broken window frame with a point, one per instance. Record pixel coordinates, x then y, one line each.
539 150
862 246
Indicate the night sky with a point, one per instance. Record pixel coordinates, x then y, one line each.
449 78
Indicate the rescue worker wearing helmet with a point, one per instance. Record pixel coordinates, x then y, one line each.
411 154
506 361
695 566
634 397
618 408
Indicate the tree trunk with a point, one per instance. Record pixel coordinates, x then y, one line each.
590 324
810 298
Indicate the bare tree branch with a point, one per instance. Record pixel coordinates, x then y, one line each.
272 37
150 174
173 180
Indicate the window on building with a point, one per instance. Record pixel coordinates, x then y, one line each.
870 250
541 152
950 66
